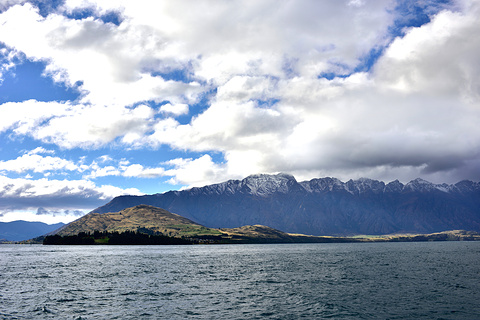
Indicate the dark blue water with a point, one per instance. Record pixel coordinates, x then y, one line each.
438 280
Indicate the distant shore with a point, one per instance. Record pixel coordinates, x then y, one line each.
138 238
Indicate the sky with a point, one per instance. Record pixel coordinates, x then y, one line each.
100 98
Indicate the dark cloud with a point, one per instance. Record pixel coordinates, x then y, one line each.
54 213
58 201
64 197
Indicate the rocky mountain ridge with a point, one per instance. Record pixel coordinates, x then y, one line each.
265 185
323 206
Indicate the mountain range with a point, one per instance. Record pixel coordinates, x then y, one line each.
324 206
22 230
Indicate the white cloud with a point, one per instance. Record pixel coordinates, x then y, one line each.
139 171
39 150
5 4
356 3
33 162
20 196
105 158
245 88
124 169
24 188
176 110
98 172
415 113
113 63
26 116
440 58
225 126
69 125
50 217
365 124
6 61
37 163
195 172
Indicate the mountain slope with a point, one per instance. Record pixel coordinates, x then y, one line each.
151 225
148 218
324 206
151 220
23 230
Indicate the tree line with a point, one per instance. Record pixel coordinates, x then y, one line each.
115 238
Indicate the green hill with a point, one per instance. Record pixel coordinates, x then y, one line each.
139 218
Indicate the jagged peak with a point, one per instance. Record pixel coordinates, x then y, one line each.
394 186
352 186
258 184
420 181
467 185
230 186
265 176
266 184
362 185
422 185
323 184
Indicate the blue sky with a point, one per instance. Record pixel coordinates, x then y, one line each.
104 98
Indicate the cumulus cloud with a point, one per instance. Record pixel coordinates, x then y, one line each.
175 110
129 171
438 59
40 150
113 63
289 89
7 58
23 194
37 163
123 168
415 115
33 162
68 125
195 172
54 213
53 201
5 4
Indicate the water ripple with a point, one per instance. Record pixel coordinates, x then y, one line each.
304 281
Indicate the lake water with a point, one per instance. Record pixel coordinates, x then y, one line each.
434 280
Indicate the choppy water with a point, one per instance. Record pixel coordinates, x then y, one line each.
294 281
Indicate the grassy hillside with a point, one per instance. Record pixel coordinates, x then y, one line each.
143 217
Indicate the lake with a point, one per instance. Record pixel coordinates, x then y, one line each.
423 280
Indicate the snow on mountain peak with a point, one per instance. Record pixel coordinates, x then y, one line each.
467 186
394 186
323 185
363 185
424 186
265 184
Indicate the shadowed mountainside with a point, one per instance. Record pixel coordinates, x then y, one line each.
155 222
22 230
324 206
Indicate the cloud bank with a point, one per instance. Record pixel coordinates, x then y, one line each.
333 88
